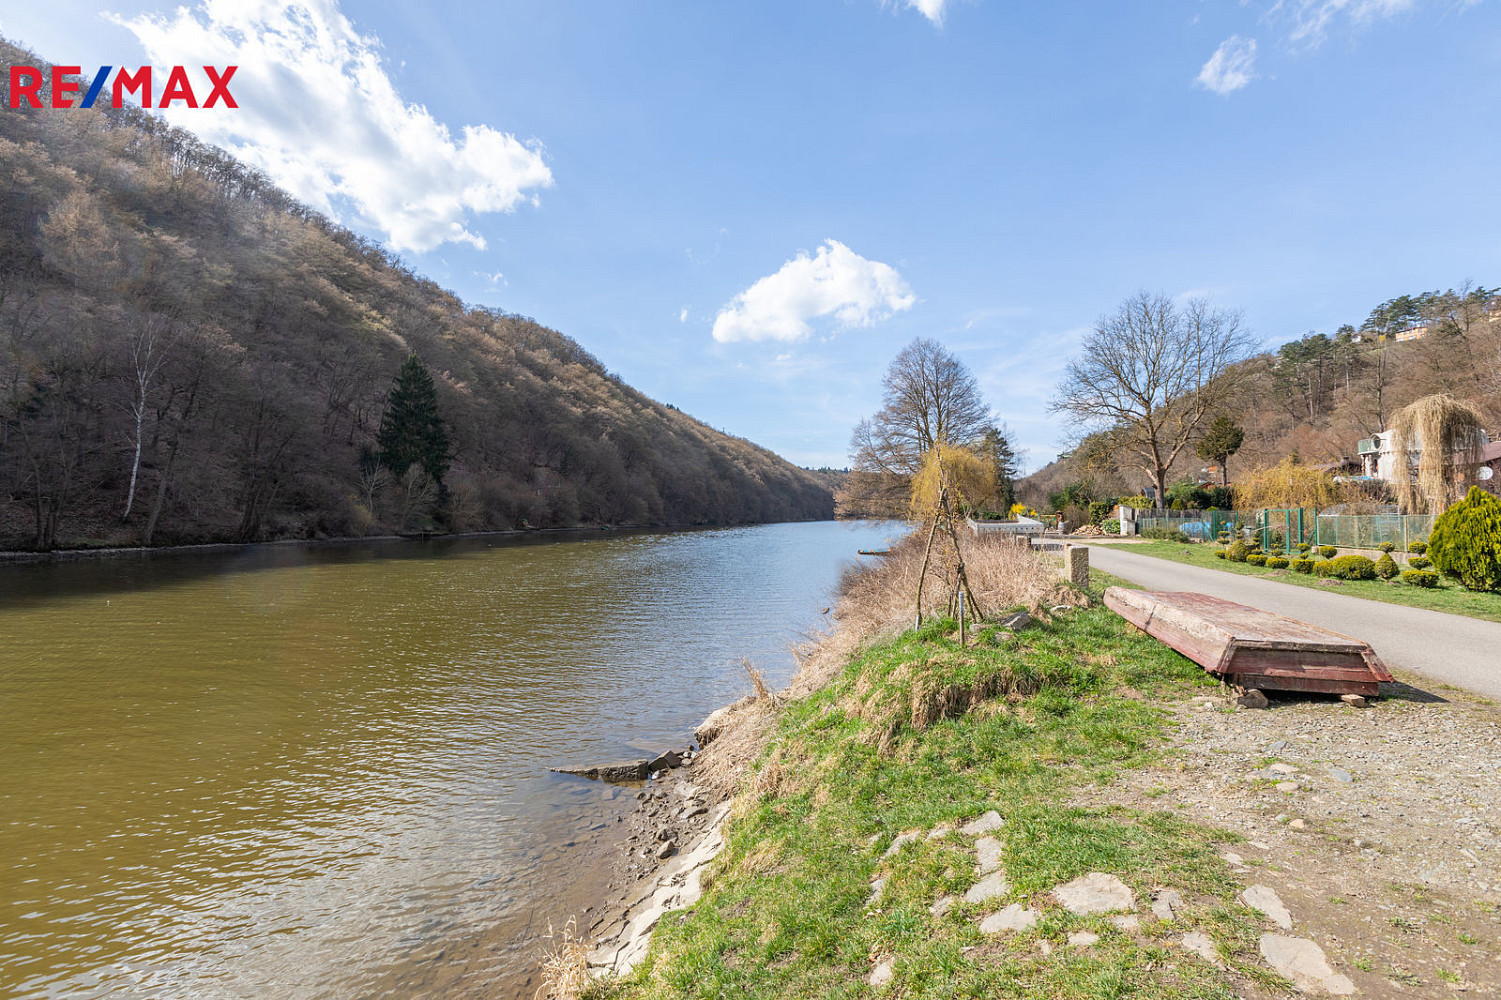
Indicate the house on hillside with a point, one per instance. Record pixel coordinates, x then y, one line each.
1490 458
1412 333
1378 455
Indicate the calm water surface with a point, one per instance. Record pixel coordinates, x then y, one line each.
322 772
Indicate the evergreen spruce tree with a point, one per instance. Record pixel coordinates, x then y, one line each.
996 447
1466 541
411 430
1223 439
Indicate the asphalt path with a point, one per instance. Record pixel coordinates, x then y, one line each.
1465 652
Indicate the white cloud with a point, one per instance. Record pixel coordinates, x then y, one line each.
1311 18
1232 66
683 315
835 282
318 113
930 9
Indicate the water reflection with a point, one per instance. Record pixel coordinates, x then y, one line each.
321 772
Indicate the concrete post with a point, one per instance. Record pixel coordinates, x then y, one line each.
1076 565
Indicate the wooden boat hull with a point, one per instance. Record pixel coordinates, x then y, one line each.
1252 648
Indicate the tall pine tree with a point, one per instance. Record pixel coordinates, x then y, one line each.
411 430
996 446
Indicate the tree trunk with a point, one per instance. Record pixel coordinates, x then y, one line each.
135 464
161 495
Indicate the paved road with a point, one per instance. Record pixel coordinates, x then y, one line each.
1462 651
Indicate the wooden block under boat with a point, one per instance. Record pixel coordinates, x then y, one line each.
1250 647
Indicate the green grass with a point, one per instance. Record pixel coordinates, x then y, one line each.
1447 597
918 732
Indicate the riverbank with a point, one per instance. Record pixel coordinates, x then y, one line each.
24 557
1027 816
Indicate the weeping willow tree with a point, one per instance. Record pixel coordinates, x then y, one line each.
1447 434
951 480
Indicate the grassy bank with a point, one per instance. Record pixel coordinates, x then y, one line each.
1448 596
915 733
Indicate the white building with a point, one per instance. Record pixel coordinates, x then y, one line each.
1378 455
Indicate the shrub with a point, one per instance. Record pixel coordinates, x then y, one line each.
1466 541
1347 568
1387 547
1386 566
1417 548
1419 562
1220 553
1256 559
1165 534
1224 538
1237 552
1302 565
1328 551
1276 562
1420 578
1304 547
1099 510
1137 503
1111 526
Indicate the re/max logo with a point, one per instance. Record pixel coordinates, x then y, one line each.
26 85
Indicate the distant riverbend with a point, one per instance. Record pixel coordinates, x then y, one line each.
318 772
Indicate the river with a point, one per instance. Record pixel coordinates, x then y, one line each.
321 771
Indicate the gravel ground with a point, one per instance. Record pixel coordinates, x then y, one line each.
1378 826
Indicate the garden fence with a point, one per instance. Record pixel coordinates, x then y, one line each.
1289 527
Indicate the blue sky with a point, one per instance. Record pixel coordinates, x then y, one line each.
747 209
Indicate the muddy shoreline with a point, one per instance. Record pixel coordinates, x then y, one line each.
667 839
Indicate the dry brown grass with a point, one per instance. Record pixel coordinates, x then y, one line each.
757 679
877 600
565 970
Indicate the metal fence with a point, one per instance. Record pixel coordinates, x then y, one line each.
1368 531
1202 525
1284 528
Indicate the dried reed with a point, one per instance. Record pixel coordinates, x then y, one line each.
565 970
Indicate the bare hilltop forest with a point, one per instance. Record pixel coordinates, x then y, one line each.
1314 398
188 354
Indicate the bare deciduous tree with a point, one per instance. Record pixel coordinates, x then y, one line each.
148 352
1153 371
930 397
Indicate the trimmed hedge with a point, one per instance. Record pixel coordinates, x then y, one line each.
1256 559
1276 562
1219 553
1347 568
1419 562
1328 551
1417 548
1302 565
1420 578
1386 566
1388 547
1237 552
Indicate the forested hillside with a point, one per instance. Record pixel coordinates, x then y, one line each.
1315 397
181 340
